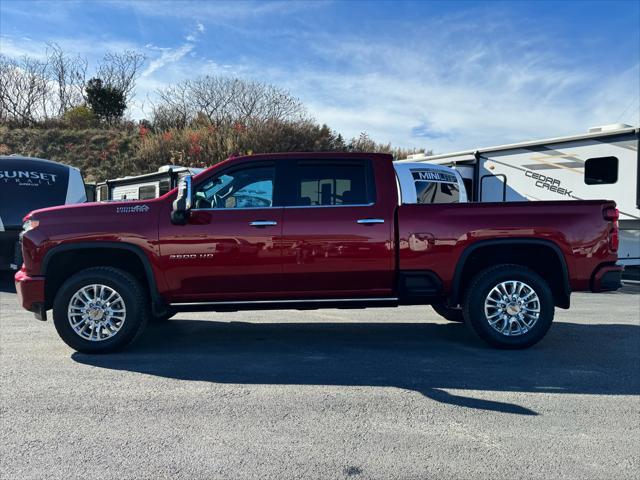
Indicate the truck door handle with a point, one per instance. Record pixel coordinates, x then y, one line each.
369 221
263 223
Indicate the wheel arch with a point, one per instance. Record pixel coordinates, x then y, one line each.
514 247
84 253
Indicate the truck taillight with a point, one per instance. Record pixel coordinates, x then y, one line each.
614 239
613 214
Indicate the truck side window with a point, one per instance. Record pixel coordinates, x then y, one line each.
329 184
245 188
601 170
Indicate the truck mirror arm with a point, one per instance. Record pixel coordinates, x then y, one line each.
182 203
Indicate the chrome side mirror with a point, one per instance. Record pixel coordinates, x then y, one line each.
182 203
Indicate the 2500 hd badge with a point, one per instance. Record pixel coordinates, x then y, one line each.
190 256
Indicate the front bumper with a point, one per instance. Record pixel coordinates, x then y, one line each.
607 278
30 292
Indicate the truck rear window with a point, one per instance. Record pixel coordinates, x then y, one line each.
328 184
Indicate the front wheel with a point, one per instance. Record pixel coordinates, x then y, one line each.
509 306
448 313
100 310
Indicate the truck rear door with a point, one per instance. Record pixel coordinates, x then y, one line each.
337 229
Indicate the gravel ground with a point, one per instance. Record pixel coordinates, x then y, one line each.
359 394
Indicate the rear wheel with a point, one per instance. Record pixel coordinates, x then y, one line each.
100 310
509 306
448 313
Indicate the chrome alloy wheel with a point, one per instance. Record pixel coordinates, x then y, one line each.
512 308
96 312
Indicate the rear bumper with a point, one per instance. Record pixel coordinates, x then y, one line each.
607 278
30 292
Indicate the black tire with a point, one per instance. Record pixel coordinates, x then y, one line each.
161 318
133 297
473 306
448 313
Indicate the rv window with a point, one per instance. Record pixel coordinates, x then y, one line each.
164 187
601 170
437 192
468 185
103 193
147 192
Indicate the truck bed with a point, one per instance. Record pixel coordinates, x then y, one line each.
434 237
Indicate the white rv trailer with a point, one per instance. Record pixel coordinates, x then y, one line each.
142 187
601 164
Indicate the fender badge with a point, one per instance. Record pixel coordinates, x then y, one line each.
133 209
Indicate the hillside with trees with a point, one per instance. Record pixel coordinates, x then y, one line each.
53 109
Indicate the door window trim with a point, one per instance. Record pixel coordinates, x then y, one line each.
330 206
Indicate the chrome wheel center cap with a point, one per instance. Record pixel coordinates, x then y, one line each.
96 314
513 309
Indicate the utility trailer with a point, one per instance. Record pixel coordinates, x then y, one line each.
143 187
601 164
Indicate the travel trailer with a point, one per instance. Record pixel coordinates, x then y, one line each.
601 164
28 184
142 187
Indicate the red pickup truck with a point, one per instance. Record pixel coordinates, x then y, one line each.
313 230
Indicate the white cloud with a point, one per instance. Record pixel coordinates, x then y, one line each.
450 95
219 11
453 82
168 56
18 47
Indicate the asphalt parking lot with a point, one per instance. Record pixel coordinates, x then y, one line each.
381 393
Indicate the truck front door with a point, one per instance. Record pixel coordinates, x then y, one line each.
230 249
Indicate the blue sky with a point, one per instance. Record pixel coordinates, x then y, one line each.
440 75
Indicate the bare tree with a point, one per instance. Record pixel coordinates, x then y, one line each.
69 74
214 97
121 70
24 90
173 109
223 101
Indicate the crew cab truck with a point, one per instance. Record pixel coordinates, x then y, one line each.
314 230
